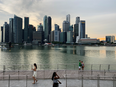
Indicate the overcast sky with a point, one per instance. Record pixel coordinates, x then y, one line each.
100 15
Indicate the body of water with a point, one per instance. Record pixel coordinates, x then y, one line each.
58 55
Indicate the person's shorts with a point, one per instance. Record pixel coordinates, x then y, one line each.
79 67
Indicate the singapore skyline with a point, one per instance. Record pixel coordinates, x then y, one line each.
100 19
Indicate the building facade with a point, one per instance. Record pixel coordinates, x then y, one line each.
76 31
66 25
88 41
17 29
56 27
45 28
1 33
63 37
40 27
26 28
6 32
69 37
110 39
56 35
37 37
49 24
52 36
77 20
11 30
68 18
82 29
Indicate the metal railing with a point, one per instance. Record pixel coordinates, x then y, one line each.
77 81
73 66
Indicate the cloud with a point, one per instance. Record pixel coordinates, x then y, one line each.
89 10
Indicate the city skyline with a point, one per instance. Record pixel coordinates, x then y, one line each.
99 15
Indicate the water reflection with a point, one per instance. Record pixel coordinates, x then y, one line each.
53 55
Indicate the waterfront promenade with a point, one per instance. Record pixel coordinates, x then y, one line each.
69 78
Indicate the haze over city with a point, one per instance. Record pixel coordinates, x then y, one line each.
100 16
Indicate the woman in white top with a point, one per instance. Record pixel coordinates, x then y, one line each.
55 78
34 73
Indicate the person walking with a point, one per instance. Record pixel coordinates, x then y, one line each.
55 78
34 73
82 65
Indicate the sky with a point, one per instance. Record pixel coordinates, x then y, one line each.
100 15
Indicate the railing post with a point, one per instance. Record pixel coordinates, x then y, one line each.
114 81
100 67
26 80
66 66
74 66
3 67
44 71
66 80
104 72
57 67
98 81
91 66
109 67
9 81
82 81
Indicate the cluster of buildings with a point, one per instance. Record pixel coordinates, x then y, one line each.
14 33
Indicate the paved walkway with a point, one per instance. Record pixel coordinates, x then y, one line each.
48 83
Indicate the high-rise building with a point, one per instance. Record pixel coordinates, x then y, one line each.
76 31
30 35
82 29
110 39
6 32
66 25
68 18
22 35
63 37
69 37
1 33
77 20
40 27
49 24
71 28
52 36
56 27
45 28
56 35
26 28
11 30
38 37
86 36
17 29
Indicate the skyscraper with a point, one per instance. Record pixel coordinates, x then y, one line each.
68 18
11 30
63 37
56 35
30 35
82 29
66 25
26 28
76 31
49 24
1 33
40 27
52 36
77 20
69 37
17 29
56 27
45 28
5 32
